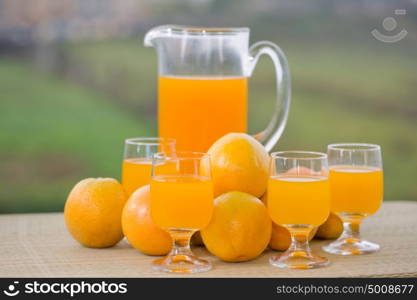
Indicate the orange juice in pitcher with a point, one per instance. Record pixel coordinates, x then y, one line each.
216 106
202 86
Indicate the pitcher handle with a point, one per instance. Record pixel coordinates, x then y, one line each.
271 134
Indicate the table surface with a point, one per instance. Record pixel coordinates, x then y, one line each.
38 245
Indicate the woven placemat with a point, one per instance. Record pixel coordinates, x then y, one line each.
38 245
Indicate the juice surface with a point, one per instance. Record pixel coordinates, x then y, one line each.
356 189
294 200
198 111
136 172
181 202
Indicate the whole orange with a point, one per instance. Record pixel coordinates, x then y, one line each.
332 228
240 228
93 212
139 228
238 163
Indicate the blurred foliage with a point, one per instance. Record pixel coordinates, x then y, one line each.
56 133
65 108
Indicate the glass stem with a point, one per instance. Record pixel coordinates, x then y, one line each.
299 239
181 242
351 225
351 231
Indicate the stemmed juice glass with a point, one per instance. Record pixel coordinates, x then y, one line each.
298 199
356 184
137 162
181 204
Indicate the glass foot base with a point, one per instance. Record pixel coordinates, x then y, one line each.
351 246
182 264
298 260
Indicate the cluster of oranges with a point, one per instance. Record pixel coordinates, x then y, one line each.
98 213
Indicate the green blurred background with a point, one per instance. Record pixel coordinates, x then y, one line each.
75 81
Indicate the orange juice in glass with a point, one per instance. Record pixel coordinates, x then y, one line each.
356 185
181 204
356 189
137 162
182 201
299 199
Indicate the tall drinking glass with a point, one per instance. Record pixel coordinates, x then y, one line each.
298 199
137 162
356 184
181 204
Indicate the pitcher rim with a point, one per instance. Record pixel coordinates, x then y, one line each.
199 30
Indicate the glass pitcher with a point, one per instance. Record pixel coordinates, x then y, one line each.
202 85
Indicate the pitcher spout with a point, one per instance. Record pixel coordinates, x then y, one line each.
157 32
